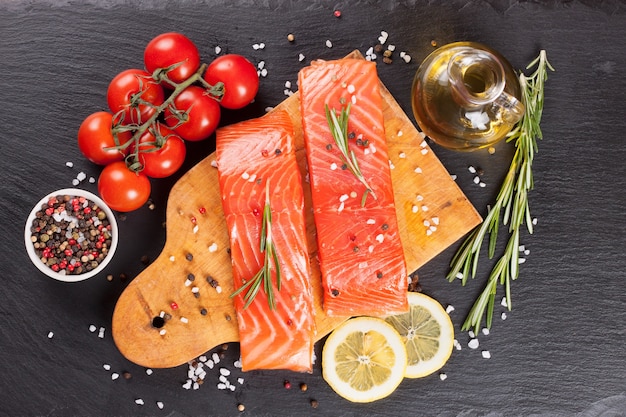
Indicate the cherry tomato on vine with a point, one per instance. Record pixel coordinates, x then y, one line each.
123 189
241 81
161 152
197 114
136 93
169 49
96 140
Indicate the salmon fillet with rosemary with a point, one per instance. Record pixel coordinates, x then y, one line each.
262 198
359 249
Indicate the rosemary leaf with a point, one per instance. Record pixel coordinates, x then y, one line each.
512 198
264 275
339 130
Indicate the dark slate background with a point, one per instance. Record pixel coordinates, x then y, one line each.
559 353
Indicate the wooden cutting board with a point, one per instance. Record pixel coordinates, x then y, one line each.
164 319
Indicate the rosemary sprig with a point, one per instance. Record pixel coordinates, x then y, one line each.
511 205
339 129
264 276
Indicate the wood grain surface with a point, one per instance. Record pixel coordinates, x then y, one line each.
197 243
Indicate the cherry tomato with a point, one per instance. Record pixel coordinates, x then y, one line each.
161 152
241 81
123 189
169 49
200 114
96 140
134 92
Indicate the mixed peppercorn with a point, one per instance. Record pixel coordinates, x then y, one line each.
70 234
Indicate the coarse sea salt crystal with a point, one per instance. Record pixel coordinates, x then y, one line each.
485 331
216 358
415 209
92 180
471 169
75 182
287 84
240 381
148 371
101 333
418 170
471 334
391 47
260 65
380 238
453 176
224 371
401 155
343 197
370 221
333 166
92 328
329 44
473 344
300 57
106 367
114 376
160 405
213 247
139 401
503 302
195 229
69 164
424 151
351 89
162 332
457 345
486 354
449 308
81 176
503 316
443 376
184 319
218 50
172 258
187 384
237 363
459 275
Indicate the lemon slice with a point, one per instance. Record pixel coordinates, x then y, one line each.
364 359
428 334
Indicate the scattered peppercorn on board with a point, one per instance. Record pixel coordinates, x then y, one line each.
179 307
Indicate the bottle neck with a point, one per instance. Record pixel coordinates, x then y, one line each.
476 77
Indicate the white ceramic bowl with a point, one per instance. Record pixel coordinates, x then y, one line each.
61 276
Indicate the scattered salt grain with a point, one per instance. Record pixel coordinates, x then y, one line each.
449 308
391 165
534 222
214 162
240 381
333 166
114 376
471 169
429 232
160 405
172 258
148 371
263 73
415 209
81 176
435 220
92 180
353 99
503 302
527 252
402 155
370 221
300 58
258 46
391 47
459 275
260 65
139 401
224 371
75 182
92 328
187 384
218 289
418 170
216 358
218 49
486 354
476 179
162 332
424 208
184 320
187 282
503 316
343 197
406 57
443 376
106 367
485 331
457 345
237 363
101 333
521 260
329 44
195 229
213 247
453 176
399 133
424 151
482 184
473 344
195 290
221 386
383 37
471 334
287 84
380 238
245 175
69 164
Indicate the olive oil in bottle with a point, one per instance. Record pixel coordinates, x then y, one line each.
466 96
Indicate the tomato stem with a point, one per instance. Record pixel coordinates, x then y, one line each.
132 161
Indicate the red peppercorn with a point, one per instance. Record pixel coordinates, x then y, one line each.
174 305
68 252
256 212
202 210
49 211
337 13
287 384
55 267
71 242
264 153
87 210
193 220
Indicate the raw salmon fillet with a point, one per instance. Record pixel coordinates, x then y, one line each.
249 154
359 249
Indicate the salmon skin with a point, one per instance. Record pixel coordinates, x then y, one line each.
248 155
359 249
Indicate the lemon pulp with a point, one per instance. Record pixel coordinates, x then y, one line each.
427 333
